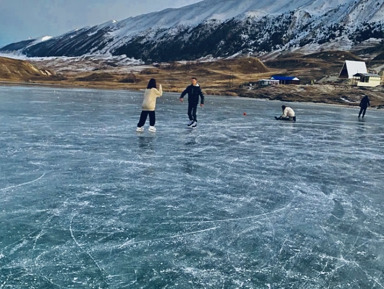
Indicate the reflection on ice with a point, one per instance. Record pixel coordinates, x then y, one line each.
243 201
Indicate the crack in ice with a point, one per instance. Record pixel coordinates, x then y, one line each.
102 271
23 184
132 241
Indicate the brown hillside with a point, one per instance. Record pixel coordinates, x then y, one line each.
19 70
216 76
229 77
379 57
321 69
102 76
312 66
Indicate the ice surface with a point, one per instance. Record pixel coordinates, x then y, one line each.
239 202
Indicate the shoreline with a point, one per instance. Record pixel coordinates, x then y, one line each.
233 77
282 93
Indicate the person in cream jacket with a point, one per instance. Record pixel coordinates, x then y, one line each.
149 105
288 114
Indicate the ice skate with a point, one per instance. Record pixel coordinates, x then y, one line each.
152 129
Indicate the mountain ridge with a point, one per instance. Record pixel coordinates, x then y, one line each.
222 29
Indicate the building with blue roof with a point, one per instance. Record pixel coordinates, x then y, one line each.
286 79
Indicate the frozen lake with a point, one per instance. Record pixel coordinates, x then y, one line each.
239 202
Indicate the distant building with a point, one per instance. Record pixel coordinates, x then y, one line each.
366 79
286 79
268 82
350 68
357 72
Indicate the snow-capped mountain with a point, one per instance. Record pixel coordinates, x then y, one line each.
221 28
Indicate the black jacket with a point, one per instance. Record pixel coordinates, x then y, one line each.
193 94
364 103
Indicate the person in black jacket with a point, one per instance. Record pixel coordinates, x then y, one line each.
194 91
364 103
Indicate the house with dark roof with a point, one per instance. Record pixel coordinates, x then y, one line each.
366 79
357 73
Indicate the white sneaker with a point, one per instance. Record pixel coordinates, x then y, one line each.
152 129
190 123
140 129
194 124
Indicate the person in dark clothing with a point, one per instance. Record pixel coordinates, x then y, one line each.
194 91
364 103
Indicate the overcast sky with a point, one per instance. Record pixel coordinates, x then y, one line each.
25 19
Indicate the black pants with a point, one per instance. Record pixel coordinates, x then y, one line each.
362 110
192 109
143 118
288 118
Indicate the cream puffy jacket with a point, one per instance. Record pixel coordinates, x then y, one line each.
150 95
288 112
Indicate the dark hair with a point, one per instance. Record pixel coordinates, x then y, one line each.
151 83
283 107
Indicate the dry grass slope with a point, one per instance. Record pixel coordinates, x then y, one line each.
318 74
19 70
